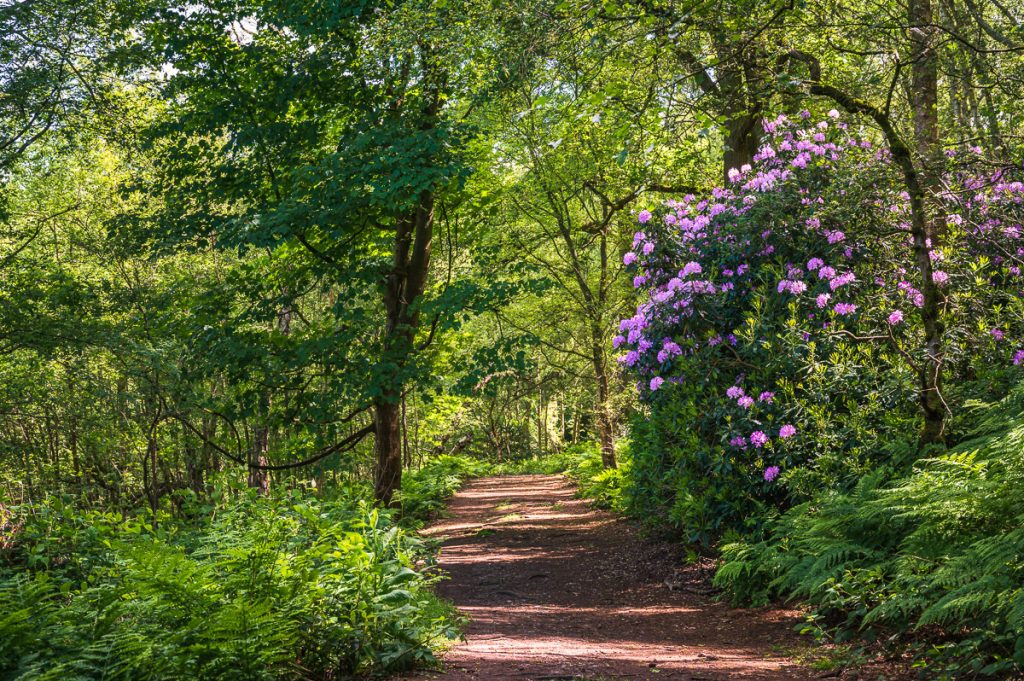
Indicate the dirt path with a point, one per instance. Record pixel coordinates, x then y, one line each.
555 589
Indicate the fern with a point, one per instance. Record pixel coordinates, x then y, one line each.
940 550
267 589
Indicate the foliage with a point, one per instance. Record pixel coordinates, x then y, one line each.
556 462
244 236
425 490
256 588
605 486
581 463
48 90
781 335
939 552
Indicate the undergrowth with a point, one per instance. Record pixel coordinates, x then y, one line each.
934 560
425 490
288 586
582 464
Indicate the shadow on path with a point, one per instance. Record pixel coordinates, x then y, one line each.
556 589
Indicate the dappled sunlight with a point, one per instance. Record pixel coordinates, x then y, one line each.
472 556
554 588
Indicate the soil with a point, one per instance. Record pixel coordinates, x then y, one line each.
556 589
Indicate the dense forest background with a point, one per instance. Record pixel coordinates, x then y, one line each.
275 276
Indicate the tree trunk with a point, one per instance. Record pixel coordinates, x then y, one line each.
602 411
742 135
259 478
598 336
405 436
540 418
738 88
927 225
150 470
387 477
416 448
194 469
76 466
210 461
404 285
733 84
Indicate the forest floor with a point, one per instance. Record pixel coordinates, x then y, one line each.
555 589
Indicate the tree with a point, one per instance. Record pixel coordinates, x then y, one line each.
332 134
915 39
718 61
57 58
583 139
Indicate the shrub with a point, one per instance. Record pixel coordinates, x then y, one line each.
605 486
580 462
779 343
266 588
940 551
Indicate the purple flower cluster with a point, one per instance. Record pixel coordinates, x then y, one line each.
844 308
704 267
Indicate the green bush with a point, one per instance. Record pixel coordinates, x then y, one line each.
551 464
938 552
289 587
605 486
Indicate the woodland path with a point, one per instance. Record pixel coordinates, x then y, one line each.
556 589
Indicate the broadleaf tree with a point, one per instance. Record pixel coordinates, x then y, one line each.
331 132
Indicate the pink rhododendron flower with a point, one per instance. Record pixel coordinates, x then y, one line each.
842 280
690 268
844 308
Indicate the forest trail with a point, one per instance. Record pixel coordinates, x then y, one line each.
556 589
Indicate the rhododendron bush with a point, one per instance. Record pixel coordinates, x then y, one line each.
778 340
